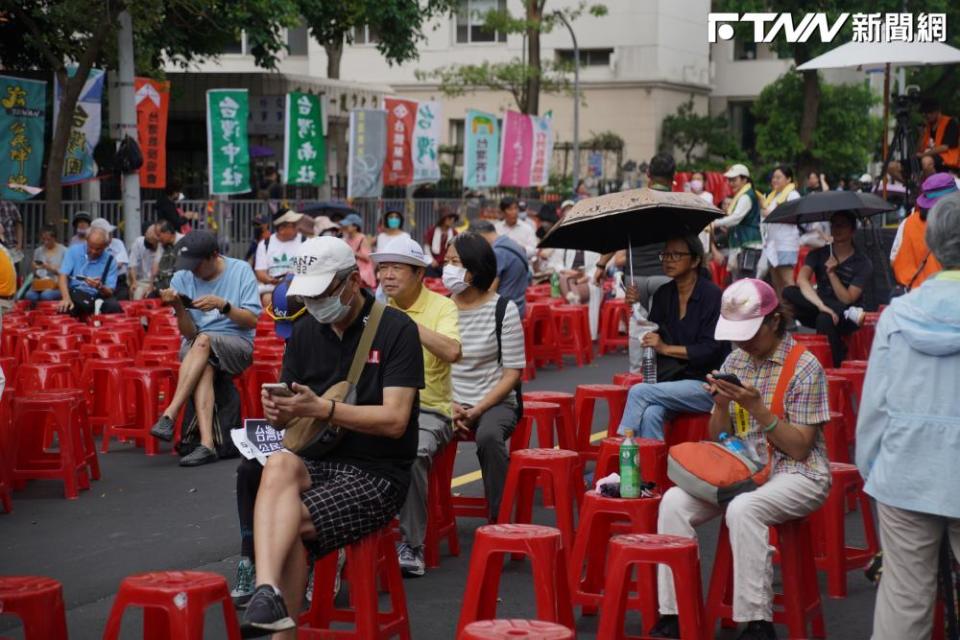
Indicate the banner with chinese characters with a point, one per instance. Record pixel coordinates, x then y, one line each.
401 119
517 151
304 149
228 152
78 163
153 105
426 143
542 151
481 156
22 114
368 151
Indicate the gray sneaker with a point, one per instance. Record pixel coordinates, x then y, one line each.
200 455
163 429
244 584
411 560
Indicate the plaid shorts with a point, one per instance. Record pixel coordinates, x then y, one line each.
345 504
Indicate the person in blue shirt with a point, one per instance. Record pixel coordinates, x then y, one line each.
217 305
513 268
88 274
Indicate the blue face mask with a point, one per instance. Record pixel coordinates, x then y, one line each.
393 222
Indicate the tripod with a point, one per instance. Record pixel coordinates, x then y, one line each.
902 149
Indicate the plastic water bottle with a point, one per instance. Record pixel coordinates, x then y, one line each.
733 443
648 366
555 285
629 468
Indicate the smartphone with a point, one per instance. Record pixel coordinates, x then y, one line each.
728 377
277 389
186 300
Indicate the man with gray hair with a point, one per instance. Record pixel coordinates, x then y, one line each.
88 277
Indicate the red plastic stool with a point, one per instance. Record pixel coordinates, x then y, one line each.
627 379
441 522
38 602
28 343
60 342
544 548
162 342
572 323
104 350
834 556
856 377
652 454
681 554
567 425
594 531
855 364
530 366
563 470
173 604
800 601
80 421
44 377
147 392
612 314
71 358
545 348
838 389
835 436
546 416
251 380
818 345
469 506
687 427
511 629
586 399
32 416
9 366
102 381
372 556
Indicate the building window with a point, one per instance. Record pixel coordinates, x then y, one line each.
235 46
297 40
744 50
457 132
470 21
588 57
365 35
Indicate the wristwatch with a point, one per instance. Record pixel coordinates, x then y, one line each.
226 308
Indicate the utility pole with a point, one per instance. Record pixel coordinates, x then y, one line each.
128 126
576 100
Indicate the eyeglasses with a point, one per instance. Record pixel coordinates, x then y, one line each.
671 256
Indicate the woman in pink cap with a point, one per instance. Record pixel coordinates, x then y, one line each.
752 318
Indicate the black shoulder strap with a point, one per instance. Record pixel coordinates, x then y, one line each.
266 242
106 268
498 317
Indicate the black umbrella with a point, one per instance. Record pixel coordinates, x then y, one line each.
817 207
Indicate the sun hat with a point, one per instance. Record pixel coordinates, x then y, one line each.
737 170
317 263
934 188
404 250
283 216
744 305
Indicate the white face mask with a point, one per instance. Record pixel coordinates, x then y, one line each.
454 278
696 186
327 310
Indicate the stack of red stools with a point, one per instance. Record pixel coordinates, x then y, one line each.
860 341
613 315
573 332
544 346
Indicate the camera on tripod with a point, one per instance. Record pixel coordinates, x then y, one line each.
904 104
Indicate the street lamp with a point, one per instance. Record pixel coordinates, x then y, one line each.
576 99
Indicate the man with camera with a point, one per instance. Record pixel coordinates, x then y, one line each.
353 481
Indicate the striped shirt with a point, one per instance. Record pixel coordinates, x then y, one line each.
478 371
805 403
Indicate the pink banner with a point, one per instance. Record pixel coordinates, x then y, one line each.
516 150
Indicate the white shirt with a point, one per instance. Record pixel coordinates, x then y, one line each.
119 252
562 259
521 233
144 260
740 212
780 238
277 258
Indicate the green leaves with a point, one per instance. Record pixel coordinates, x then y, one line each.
689 132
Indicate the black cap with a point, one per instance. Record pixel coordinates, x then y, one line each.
194 248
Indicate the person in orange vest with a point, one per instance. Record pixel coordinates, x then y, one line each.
941 134
910 258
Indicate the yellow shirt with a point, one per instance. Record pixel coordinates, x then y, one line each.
437 313
8 276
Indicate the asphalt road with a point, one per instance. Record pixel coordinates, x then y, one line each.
148 514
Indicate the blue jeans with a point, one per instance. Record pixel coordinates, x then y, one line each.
650 405
49 294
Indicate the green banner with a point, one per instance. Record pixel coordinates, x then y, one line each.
304 148
228 151
22 113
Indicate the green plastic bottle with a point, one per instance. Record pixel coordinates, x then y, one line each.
629 468
555 285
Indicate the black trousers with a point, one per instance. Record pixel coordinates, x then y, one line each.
248 483
83 304
809 316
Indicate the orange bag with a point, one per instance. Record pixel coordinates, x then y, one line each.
715 474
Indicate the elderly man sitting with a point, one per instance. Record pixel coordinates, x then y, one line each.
88 277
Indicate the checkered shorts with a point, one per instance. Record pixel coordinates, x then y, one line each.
346 504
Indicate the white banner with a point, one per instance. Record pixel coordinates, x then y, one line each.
426 143
542 151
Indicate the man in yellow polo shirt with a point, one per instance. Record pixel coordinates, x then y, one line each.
401 265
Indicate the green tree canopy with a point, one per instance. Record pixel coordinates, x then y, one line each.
690 133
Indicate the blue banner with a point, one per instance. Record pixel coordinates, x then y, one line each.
22 113
78 164
481 157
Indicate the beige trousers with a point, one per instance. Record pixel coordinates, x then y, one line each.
785 496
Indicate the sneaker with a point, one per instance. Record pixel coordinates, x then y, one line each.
243 585
668 626
265 614
759 630
163 429
411 560
854 315
200 455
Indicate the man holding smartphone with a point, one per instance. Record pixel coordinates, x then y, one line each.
89 273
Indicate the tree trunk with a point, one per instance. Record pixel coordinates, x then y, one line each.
811 107
334 54
534 14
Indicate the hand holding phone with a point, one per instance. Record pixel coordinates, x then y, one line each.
277 389
186 300
728 377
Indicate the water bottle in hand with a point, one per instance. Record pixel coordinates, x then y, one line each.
648 366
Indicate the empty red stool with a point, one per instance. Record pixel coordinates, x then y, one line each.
79 421
441 521
834 556
38 602
104 350
44 376
798 605
512 629
162 342
835 437
838 389
71 358
543 546
102 381
687 427
567 418
856 375
544 346
818 345
174 603
681 555
9 366
372 556
586 399
147 392
589 556
562 471
252 379
627 379
613 314
652 455
60 342
28 343
573 332
32 417
547 417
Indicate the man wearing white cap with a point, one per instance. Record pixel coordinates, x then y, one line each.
119 252
772 417
742 222
325 503
401 266
275 254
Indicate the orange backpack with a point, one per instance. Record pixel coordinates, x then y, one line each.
711 472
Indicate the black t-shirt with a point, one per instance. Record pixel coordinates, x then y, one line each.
316 356
855 270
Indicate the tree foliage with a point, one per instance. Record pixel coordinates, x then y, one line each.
702 139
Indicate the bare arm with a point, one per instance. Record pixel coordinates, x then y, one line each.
508 381
387 420
846 295
263 277
803 281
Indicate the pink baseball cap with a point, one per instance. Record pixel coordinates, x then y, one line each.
743 307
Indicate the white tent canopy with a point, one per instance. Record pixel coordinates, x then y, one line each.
877 55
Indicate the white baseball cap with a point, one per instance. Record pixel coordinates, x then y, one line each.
404 250
866 178
103 223
737 170
317 263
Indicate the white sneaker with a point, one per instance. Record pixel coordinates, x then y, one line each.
854 315
411 560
